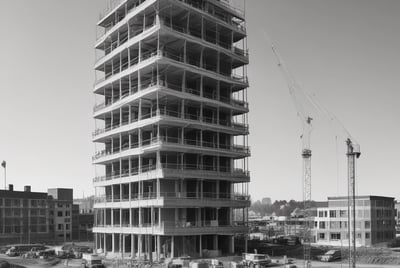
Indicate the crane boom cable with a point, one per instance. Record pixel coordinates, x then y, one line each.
311 99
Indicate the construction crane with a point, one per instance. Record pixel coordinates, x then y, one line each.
308 110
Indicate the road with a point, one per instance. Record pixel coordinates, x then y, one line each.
317 264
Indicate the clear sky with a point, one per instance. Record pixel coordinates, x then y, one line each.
345 51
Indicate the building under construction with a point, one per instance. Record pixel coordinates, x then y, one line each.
171 129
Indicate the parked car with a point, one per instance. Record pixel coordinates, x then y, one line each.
253 260
293 240
331 255
290 240
91 261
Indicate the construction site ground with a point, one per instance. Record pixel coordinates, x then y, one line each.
376 257
366 257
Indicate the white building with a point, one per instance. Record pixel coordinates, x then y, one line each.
375 221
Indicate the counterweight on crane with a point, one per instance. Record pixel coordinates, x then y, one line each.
307 109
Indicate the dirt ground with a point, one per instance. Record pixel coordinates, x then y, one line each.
366 257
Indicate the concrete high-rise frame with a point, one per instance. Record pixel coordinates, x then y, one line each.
172 124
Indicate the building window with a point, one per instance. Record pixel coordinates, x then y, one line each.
60 227
59 205
321 236
321 225
343 213
367 224
67 213
59 213
334 225
33 203
335 236
17 203
359 235
367 235
379 213
67 227
332 213
367 213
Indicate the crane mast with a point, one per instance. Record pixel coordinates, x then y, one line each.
307 108
353 152
306 120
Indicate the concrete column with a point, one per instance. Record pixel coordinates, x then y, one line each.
201 86
133 246
200 246
140 217
105 243
217 187
172 247
112 217
113 243
159 217
184 79
182 111
96 241
232 245
158 188
140 242
215 242
198 220
120 217
122 250
130 188
184 51
158 247
140 54
201 189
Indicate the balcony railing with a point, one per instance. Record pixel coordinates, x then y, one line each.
115 3
112 4
157 81
174 114
211 196
225 19
133 90
119 42
165 225
108 27
172 56
130 63
169 140
203 169
197 34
